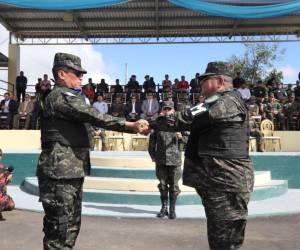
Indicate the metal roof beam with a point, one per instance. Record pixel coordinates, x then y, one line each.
6 24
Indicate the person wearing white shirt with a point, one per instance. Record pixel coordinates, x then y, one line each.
101 105
245 92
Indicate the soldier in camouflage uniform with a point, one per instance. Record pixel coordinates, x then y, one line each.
217 162
65 159
164 151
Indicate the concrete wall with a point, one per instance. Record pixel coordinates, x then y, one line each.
30 140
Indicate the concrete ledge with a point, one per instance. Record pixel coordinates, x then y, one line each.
270 190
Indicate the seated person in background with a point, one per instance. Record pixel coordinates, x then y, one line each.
117 108
133 109
101 133
101 105
195 84
253 107
295 113
279 92
256 133
133 85
6 202
166 84
150 107
238 80
259 91
38 87
149 84
24 112
115 89
8 108
273 111
102 87
45 83
183 85
245 92
89 91
182 102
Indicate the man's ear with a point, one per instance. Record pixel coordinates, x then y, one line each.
221 82
61 74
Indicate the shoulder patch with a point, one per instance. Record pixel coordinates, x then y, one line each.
68 94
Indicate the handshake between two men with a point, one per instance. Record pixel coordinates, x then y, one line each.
141 126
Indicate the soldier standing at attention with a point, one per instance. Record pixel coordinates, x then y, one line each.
65 159
164 151
217 162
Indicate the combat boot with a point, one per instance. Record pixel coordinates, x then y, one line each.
172 213
164 208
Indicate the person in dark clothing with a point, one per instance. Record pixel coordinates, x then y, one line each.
164 151
66 116
217 162
21 85
238 81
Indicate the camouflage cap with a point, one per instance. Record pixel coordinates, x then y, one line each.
167 104
68 60
217 68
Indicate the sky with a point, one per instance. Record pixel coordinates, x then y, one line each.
108 61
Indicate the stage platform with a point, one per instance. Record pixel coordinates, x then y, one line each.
123 184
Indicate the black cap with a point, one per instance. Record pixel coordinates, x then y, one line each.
167 104
217 68
69 61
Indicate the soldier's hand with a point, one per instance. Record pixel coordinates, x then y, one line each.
141 126
178 135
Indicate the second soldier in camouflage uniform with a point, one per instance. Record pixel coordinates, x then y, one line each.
164 151
65 159
217 162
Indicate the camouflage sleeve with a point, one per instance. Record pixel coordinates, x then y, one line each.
73 107
225 109
185 136
152 145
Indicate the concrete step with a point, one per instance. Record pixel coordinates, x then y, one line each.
149 173
187 197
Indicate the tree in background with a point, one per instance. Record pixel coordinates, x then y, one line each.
257 61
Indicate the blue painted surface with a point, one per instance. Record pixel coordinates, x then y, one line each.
283 167
153 198
24 164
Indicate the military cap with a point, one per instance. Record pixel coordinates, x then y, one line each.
68 60
217 68
167 104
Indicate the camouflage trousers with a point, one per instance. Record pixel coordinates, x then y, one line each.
168 177
61 200
226 218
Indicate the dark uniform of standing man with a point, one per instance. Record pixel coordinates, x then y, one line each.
217 159
217 162
65 159
164 151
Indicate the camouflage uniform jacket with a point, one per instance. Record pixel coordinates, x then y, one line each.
59 160
210 172
164 146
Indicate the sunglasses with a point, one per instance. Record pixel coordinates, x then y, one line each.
76 73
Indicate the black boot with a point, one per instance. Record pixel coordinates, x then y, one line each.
164 208
172 214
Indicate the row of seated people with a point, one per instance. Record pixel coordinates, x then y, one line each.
92 90
284 112
12 111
